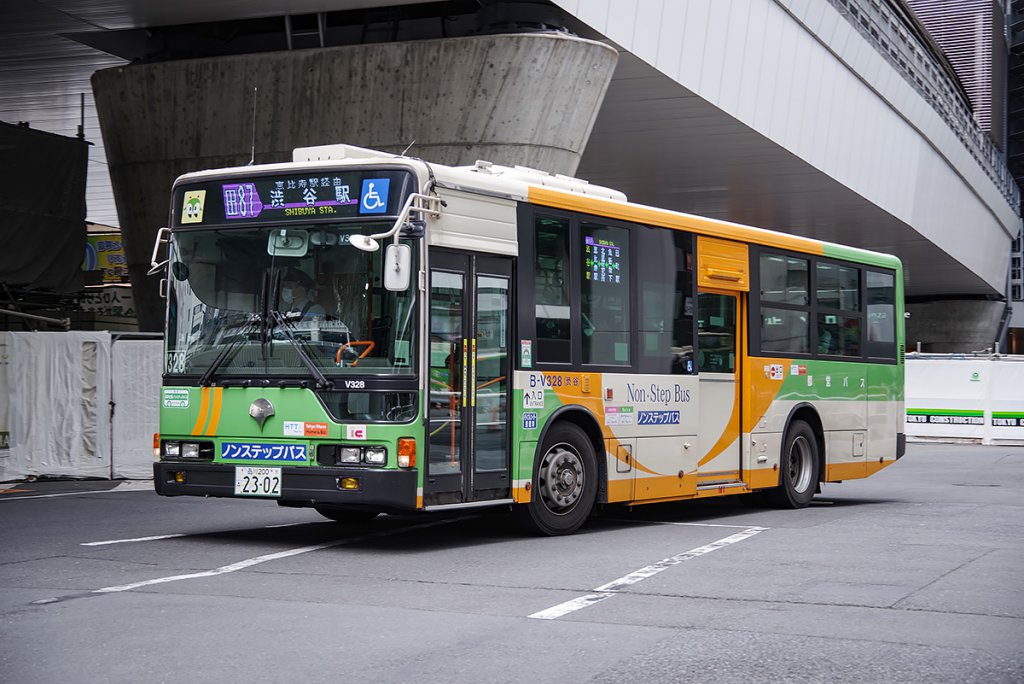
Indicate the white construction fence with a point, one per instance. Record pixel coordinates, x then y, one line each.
964 397
78 404
86 404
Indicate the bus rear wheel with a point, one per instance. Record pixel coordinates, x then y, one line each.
346 515
564 483
798 479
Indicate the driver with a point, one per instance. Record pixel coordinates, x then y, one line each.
297 294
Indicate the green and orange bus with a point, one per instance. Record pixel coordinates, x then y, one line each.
360 332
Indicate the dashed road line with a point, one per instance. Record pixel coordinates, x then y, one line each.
129 486
130 541
249 562
182 534
670 522
606 591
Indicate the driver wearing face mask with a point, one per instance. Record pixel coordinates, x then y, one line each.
297 294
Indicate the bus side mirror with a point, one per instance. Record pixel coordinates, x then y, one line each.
397 267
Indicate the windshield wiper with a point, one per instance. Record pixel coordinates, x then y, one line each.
223 356
257 321
279 321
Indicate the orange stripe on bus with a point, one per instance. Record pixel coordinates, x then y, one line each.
204 408
670 219
218 395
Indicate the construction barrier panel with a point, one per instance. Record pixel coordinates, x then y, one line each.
61 393
963 397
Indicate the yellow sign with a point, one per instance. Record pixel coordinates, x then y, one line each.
103 252
192 206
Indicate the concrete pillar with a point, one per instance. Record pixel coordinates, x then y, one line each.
527 99
953 325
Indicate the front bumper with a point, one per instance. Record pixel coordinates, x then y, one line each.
300 486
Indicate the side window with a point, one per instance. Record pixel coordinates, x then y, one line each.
880 293
816 306
682 306
666 301
784 279
838 300
785 304
551 285
785 331
716 333
605 295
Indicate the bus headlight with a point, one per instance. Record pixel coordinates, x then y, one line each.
376 455
189 450
348 455
172 449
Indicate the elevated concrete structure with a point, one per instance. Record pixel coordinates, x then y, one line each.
528 99
837 119
782 114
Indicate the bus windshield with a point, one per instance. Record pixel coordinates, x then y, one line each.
272 300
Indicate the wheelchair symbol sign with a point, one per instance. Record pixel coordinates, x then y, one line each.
374 197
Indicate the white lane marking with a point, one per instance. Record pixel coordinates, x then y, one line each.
669 522
128 486
249 562
172 536
608 590
50 496
129 541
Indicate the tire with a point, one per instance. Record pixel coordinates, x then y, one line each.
564 483
346 515
798 477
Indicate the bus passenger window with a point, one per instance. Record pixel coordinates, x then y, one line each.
666 301
784 279
784 331
551 288
716 333
605 295
881 314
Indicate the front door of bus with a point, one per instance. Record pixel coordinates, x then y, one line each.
468 424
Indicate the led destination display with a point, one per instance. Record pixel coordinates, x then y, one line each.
314 195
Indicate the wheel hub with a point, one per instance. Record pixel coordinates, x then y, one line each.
800 464
561 478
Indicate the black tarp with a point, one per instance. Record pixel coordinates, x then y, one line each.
42 209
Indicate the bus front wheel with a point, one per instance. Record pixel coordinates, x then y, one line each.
564 483
798 479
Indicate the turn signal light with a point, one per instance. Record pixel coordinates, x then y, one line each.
156 446
348 483
179 477
406 452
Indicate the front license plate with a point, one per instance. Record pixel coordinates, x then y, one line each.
255 481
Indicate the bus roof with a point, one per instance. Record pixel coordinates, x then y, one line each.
550 190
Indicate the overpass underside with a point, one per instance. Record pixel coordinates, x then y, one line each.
774 113
781 114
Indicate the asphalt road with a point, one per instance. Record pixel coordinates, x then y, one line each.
914 575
